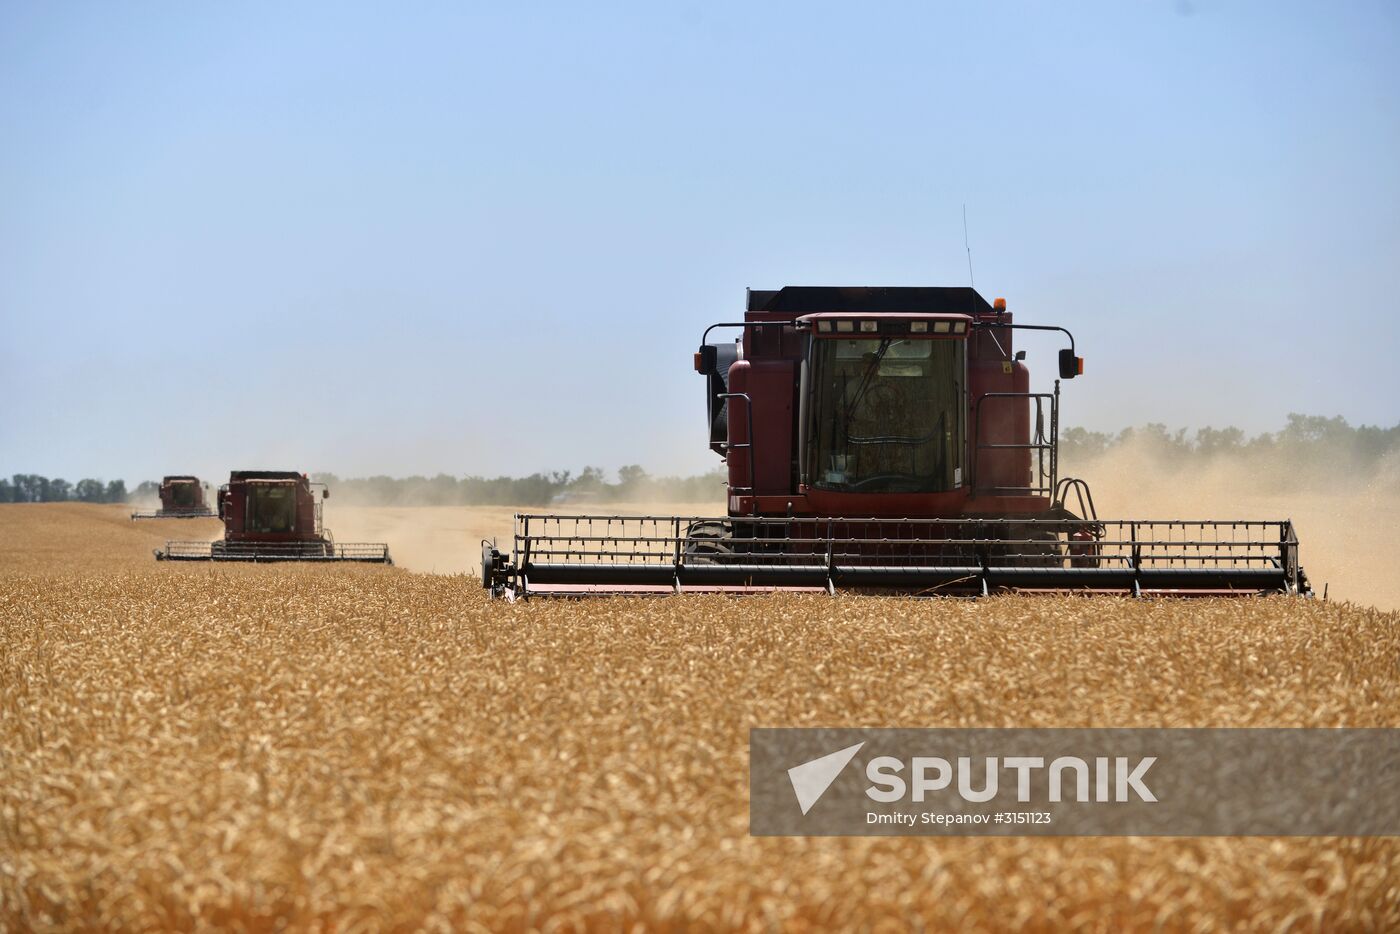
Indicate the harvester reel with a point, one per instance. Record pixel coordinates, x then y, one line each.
272 552
181 514
1039 548
577 555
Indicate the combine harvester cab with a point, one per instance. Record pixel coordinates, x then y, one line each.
273 515
887 440
181 497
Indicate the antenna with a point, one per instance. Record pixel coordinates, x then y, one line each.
971 281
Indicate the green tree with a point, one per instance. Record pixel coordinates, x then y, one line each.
1081 444
1214 442
1315 429
632 480
90 491
592 480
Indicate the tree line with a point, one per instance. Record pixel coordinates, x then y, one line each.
1309 446
592 484
1302 434
32 488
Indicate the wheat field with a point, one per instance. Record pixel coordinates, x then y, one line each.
362 748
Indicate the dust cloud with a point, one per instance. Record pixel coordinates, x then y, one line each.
432 539
1347 515
447 539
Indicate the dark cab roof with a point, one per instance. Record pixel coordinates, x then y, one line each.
864 299
264 475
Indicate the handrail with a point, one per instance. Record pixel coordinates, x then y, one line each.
748 445
1046 479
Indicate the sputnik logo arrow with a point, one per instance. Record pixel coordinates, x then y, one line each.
811 779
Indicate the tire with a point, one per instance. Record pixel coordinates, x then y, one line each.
708 543
1046 550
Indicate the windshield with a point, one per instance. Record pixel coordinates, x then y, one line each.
886 415
272 507
182 493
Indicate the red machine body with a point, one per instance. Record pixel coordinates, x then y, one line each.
181 497
182 494
273 506
887 440
1003 439
273 515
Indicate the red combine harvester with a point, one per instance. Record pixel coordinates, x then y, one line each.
181 497
273 515
887 440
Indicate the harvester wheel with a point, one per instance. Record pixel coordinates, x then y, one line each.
707 543
1084 547
1046 550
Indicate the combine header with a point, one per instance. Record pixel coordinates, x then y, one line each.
887 440
273 515
181 497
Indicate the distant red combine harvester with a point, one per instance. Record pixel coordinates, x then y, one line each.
181 497
273 515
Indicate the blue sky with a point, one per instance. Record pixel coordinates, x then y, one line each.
485 239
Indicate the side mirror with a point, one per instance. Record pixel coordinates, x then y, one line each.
1020 355
1070 365
707 359
325 492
